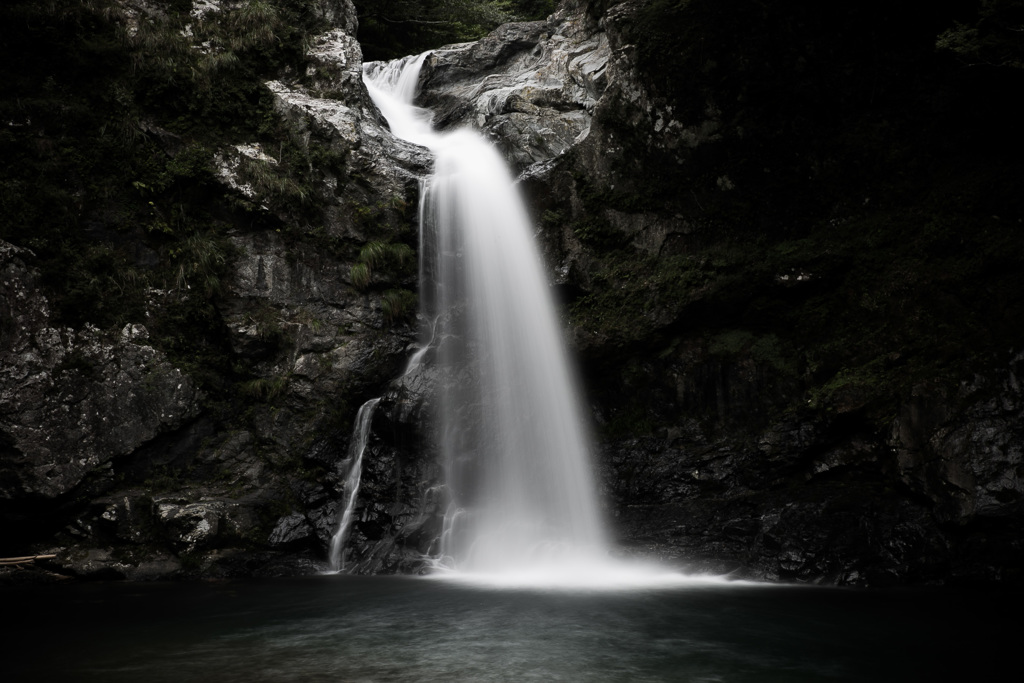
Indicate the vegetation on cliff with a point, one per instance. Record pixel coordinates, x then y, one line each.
389 29
111 122
793 250
859 197
147 164
112 119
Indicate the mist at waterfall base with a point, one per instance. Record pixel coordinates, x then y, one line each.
345 628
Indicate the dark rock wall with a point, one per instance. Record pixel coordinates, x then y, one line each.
191 415
785 248
788 242
751 226
787 239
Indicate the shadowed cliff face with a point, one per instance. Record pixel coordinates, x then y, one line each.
209 263
788 241
780 233
790 249
779 248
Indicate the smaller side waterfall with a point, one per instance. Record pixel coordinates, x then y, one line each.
360 434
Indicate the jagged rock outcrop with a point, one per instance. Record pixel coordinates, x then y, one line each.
85 409
402 498
530 86
73 401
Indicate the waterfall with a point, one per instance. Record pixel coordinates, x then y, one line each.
515 444
357 447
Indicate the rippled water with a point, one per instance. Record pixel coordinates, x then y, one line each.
354 629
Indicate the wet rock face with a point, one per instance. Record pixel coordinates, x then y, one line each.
73 401
401 503
531 86
731 507
971 462
962 451
832 499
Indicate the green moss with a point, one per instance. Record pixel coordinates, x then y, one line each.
859 310
633 294
774 352
388 30
264 389
390 260
596 232
398 304
634 419
730 343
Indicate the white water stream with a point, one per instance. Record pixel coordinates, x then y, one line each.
360 435
516 447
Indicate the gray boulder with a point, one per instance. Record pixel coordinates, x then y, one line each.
72 401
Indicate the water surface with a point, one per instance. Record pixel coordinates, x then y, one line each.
361 629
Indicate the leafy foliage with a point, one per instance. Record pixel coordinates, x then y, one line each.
379 255
869 236
111 122
994 38
395 28
110 117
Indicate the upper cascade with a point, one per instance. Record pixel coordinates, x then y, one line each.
530 86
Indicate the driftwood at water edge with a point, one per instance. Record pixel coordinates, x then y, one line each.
26 559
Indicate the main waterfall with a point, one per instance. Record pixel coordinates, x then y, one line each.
514 439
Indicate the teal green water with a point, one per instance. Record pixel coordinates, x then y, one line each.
361 629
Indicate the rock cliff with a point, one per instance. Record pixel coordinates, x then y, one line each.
271 291
786 240
530 87
780 393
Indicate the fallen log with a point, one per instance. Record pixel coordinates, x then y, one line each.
13 561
